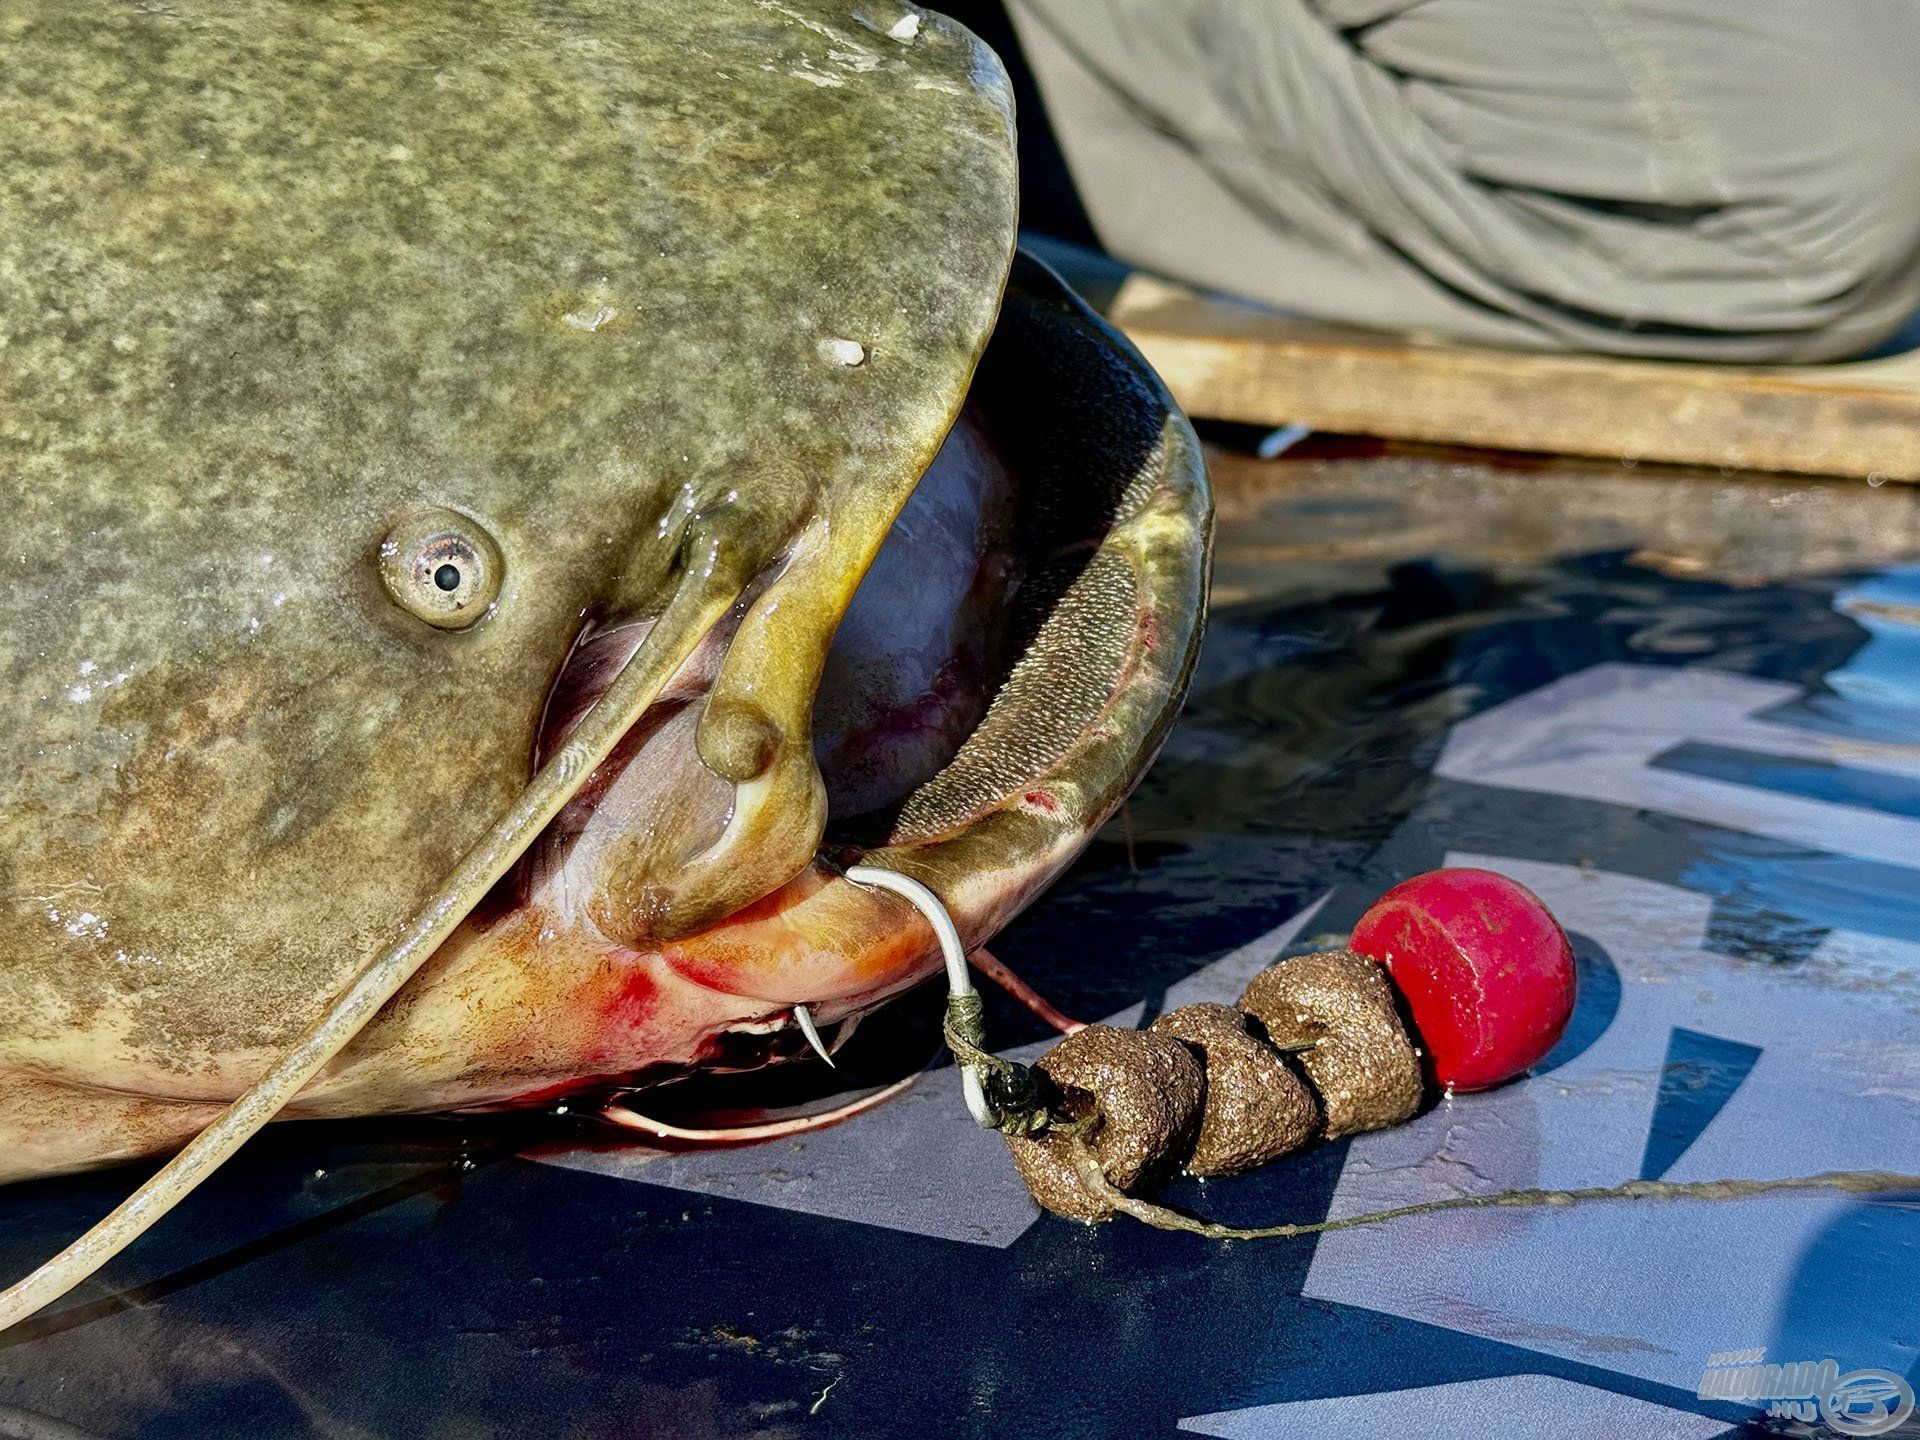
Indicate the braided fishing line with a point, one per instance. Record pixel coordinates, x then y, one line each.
1161 1217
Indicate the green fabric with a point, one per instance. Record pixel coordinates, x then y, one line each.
1661 177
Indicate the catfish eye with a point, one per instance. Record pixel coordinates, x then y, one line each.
441 567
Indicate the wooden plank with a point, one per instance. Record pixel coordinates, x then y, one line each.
1229 361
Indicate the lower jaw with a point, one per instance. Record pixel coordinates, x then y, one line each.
549 1009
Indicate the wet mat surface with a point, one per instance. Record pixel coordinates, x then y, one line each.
1685 710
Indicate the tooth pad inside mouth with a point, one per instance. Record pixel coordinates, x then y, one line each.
1054 694
1083 433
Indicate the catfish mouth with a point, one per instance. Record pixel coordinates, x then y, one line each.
928 640
1022 642
1004 672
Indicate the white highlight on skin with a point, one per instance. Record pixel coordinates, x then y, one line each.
843 352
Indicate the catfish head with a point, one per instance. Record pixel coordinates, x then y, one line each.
504 506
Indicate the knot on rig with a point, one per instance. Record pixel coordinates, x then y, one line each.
1013 1095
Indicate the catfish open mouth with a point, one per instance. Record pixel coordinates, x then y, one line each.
1026 606
1007 668
1019 598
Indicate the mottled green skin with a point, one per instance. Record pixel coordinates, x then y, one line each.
274 275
